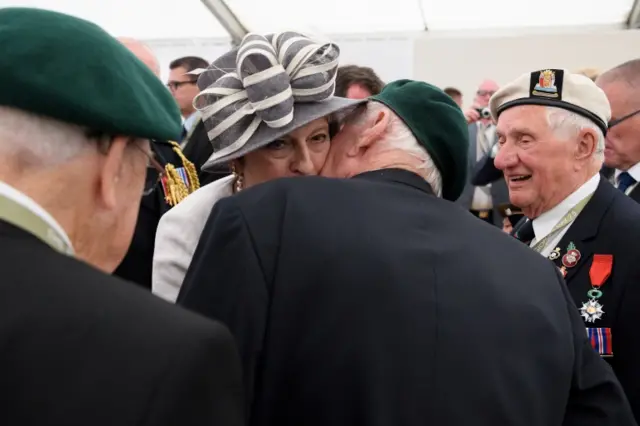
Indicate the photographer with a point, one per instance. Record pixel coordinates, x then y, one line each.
482 201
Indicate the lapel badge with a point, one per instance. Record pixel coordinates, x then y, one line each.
571 257
563 271
554 254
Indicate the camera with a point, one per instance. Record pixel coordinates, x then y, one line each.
484 112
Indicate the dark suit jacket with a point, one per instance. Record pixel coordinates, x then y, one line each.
198 150
610 224
369 301
80 348
485 172
499 190
609 173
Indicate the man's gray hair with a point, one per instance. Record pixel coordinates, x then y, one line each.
32 141
566 125
400 137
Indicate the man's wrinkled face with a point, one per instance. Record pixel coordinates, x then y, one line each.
622 146
339 163
537 166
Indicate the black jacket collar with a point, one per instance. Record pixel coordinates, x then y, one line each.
402 176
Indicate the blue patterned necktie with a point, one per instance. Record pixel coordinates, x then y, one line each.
625 180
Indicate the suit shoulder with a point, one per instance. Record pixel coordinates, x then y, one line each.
113 304
624 213
287 187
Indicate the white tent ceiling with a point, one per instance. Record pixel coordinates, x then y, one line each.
163 19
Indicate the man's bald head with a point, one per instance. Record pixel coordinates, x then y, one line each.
142 52
628 73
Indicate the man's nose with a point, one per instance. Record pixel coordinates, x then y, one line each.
505 157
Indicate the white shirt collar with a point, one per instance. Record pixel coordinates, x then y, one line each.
190 121
27 202
543 224
634 171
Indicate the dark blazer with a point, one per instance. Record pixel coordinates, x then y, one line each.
79 348
369 301
198 149
499 190
610 224
609 174
485 172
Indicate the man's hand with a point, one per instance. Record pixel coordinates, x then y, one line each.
472 115
506 225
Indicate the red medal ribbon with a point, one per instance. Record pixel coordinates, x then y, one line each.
600 269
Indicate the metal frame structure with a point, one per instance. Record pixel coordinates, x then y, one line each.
633 21
227 19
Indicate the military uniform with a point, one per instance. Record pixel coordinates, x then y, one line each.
137 264
198 149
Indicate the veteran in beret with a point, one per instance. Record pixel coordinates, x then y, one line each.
368 297
78 346
551 127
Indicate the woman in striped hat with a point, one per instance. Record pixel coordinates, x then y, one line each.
269 110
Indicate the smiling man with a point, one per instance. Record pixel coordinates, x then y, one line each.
551 129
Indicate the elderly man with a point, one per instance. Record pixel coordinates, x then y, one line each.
80 347
373 301
551 127
482 199
622 147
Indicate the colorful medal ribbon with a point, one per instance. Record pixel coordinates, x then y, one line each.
598 274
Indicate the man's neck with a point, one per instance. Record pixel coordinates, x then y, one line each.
393 160
49 200
626 166
534 212
186 113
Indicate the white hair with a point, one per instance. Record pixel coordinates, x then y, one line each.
30 140
566 125
399 136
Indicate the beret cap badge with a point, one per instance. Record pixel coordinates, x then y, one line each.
546 84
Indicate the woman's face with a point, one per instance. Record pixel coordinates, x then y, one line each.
301 152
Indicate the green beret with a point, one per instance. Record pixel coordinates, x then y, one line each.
71 70
439 126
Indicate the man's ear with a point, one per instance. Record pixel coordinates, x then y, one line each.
111 170
374 129
587 144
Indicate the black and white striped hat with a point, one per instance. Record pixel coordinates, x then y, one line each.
264 89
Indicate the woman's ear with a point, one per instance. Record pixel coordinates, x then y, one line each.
373 130
111 171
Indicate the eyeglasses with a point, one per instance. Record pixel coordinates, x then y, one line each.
175 85
485 92
621 119
155 172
